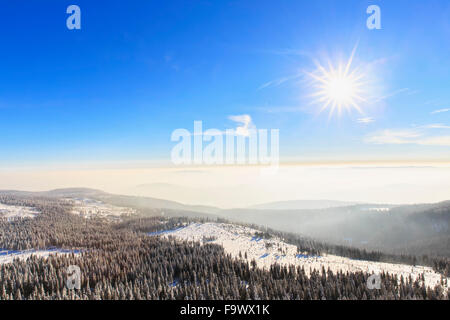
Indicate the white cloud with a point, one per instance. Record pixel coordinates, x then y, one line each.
246 123
365 120
440 110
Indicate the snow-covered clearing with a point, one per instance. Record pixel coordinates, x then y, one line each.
89 208
8 256
10 212
238 239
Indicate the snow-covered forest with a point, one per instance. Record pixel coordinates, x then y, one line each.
138 258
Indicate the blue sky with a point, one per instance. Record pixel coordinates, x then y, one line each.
137 70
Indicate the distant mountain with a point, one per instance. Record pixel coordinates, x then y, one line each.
302 205
131 201
145 205
58 193
422 229
74 192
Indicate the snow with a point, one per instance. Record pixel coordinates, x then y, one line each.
237 239
158 233
11 212
89 208
8 256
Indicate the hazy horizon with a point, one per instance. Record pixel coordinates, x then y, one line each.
244 186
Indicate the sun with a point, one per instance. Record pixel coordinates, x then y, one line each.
338 87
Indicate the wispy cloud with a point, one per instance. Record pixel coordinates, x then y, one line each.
393 94
290 52
435 126
365 120
274 83
279 81
393 136
281 109
418 136
440 110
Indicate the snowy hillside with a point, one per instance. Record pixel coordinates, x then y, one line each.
238 239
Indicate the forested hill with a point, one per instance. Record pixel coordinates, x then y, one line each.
421 229
119 261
